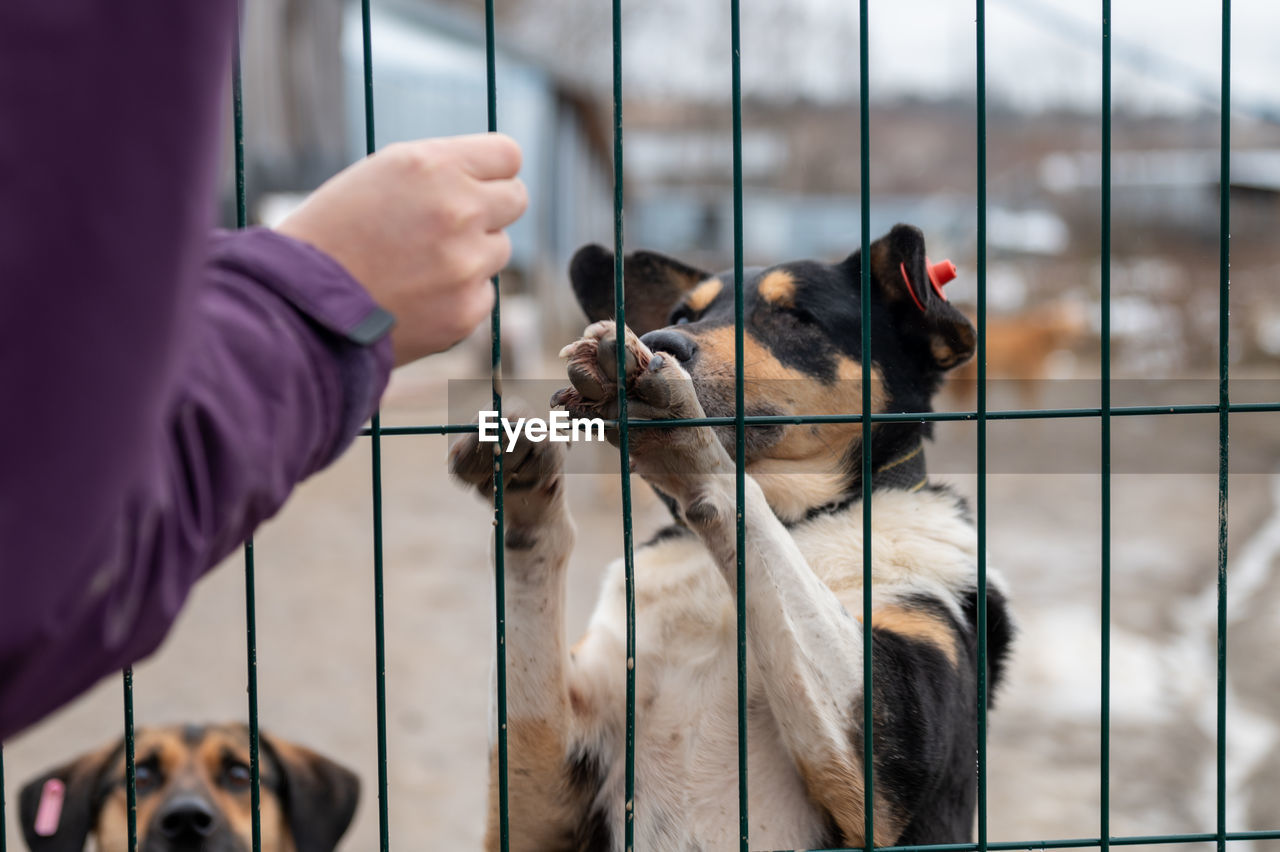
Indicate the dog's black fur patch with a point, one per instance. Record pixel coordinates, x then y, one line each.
520 538
669 532
1000 632
586 772
925 731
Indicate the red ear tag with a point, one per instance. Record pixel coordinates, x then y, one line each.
939 274
911 290
49 811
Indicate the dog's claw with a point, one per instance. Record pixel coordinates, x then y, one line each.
607 357
586 381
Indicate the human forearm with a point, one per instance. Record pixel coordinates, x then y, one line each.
287 357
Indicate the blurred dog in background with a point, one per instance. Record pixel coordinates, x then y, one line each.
1020 350
193 784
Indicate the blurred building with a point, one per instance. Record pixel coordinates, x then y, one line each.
304 100
305 119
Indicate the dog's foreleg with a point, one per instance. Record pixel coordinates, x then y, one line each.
544 809
807 647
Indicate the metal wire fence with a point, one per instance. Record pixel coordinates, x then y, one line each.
981 415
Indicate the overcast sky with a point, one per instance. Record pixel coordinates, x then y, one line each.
1039 52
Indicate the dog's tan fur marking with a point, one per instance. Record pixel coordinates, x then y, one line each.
804 468
779 288
769 382
919 625
836 785
942 351
537 756
112 831
195 767
884 270
578 701
274 829
792 487
704 294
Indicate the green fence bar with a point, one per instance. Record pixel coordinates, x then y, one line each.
1104 419
1076 842
4 819
624 448
130 766
889 417
499 524
740 429
1224 411
237 124
981 449
251 650
375 436
250 607
864 189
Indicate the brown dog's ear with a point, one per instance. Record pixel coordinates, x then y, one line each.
900 276
83 788
655 284
317 795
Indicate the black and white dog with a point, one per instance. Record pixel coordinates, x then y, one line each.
804 563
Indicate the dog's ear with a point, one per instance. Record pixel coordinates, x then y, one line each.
60 807
655 285
318 796
900 279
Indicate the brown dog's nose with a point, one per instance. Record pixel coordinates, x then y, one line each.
186 817
671 342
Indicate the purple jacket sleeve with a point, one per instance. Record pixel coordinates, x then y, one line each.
160 392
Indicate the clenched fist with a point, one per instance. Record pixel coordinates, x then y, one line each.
420 225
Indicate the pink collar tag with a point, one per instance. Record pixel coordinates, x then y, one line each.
49 812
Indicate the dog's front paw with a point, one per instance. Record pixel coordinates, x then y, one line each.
657 388
532 471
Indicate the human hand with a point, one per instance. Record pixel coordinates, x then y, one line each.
419 224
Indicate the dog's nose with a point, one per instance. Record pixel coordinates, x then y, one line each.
186 816
671 342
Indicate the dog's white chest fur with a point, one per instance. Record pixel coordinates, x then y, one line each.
686 672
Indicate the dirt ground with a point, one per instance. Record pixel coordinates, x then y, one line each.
316 635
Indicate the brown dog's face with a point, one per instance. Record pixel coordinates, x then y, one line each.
193 785
802 354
